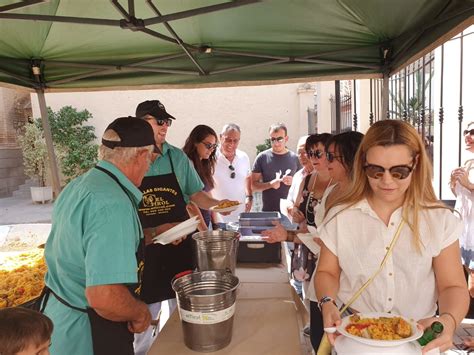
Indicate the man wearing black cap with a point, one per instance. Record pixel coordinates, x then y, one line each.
95 249
167 187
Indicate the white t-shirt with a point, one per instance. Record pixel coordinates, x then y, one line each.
465 206
406 285
295 185
227 188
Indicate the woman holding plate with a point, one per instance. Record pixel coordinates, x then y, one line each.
392 202
200 147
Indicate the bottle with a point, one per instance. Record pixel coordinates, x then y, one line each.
430 333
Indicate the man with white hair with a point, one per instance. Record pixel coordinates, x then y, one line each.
94 252
232 173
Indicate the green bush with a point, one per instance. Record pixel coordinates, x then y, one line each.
76 149
264 146
35 153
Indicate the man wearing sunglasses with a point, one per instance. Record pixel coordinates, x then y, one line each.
168 186
273 169
232 173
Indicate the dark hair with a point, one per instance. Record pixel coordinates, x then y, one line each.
205 167
346 144
276 127
21 327
316 138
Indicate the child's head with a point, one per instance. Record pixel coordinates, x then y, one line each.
24 332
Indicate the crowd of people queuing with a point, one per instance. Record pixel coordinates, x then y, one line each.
368 197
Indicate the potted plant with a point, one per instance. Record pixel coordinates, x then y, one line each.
35 161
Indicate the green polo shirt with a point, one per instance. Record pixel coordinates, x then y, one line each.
188 178
95 234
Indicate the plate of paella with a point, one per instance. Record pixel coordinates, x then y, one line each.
226 206
379 329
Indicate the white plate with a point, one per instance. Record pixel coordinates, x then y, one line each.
307 239
416 333
178 231
312 230
225 209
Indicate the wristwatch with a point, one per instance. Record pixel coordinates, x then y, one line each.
250 197
324 300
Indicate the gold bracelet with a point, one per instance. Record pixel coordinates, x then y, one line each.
452 317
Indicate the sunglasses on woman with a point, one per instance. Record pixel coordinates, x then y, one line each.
209 146
398 172
469 131
162 122
331 156
315 153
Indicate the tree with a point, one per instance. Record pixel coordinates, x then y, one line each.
35 153
76 149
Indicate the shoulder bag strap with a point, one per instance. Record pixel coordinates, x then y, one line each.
382 264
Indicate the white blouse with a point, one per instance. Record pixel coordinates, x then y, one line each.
406 286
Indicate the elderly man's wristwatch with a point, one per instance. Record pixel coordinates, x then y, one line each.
324 300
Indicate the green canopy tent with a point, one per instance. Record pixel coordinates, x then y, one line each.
66 45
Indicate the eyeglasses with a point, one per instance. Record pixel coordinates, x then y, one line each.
162 122
315 153
232 169
209 146
331 156
470 131
277 139
231 141
398 172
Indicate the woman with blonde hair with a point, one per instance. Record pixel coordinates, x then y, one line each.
392 202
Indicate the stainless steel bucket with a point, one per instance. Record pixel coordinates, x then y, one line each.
216 250
206 305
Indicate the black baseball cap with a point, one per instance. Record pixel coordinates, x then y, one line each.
153 108
133 132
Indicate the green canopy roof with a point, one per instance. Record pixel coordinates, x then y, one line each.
87 44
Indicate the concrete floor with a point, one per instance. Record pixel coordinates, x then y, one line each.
16 210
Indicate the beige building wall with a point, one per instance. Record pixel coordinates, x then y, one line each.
253 108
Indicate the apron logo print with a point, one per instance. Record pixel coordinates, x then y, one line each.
152 200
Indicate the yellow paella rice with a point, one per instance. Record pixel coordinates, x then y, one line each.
383 328
21 277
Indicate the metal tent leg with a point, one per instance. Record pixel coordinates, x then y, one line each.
385 96
49 142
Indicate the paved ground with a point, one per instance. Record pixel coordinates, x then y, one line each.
15 210
21 210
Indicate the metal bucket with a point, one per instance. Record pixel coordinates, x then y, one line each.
206 305
216 250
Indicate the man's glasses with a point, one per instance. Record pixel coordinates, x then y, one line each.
231 141
277 139
232 169
315 153
469 131
162 122
209 146
398 172
331 156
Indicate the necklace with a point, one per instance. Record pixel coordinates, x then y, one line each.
312 202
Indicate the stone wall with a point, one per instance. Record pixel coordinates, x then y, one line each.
15 108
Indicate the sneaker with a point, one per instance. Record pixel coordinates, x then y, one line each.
306 331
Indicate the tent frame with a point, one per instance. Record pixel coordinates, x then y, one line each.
132 23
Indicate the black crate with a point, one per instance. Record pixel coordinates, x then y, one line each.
258 252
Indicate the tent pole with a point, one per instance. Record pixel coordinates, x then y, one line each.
49 142
385 95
